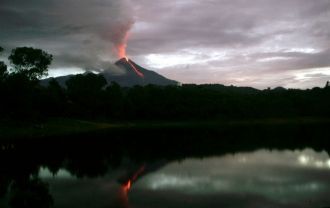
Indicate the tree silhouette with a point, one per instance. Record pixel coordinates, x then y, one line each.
114 100
30 62
56 99
87 82
30 193
3 68
86 93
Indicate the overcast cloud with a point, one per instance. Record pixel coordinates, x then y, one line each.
257 43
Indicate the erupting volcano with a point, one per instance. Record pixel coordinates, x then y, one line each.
121 53
133 74
130 74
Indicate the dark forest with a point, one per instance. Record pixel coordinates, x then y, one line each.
89 96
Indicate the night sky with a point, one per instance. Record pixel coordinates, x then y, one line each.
259 43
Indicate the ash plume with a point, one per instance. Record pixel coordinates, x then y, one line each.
79 34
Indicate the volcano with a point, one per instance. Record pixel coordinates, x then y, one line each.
132 74
136 75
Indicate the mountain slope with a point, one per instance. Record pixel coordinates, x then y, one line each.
133 74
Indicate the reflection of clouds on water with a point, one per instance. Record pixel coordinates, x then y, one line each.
88 193
69 191
61 173
272 179
310 158
280 178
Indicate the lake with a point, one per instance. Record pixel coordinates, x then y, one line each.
253 165
254 178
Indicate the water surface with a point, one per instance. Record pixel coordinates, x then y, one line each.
261 178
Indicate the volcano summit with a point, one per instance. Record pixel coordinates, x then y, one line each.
137 75
132 74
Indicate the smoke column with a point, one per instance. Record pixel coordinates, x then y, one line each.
90 34
120 37
119 32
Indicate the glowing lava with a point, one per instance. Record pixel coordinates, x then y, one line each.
138 72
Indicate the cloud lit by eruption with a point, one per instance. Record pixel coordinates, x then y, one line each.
119 32
119 38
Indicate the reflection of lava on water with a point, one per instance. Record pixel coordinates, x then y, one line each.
128 184
132 176
122 198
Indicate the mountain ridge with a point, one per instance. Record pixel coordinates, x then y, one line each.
133 74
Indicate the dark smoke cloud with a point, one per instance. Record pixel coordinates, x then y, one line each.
81 33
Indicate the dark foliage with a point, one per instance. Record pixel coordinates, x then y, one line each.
90 96
92 154
87 96
27 193
31 62
3 69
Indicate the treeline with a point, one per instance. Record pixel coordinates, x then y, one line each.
89 96
94 100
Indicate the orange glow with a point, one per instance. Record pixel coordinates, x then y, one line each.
127 186
121 47
138 72
121 50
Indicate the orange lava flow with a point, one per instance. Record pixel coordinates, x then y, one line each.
134 68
